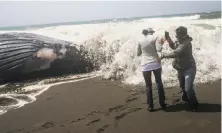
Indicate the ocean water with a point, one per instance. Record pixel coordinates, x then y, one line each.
113 45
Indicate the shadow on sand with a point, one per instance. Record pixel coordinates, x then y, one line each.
203 107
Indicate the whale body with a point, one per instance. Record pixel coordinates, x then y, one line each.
22 54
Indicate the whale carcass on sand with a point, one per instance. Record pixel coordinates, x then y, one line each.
25 53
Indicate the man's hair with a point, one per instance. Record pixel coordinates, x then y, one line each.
181 31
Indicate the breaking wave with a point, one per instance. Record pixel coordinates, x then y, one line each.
113 46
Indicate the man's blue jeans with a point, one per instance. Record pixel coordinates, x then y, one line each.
186 79
159 84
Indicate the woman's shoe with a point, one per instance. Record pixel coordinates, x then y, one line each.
150 109
193 107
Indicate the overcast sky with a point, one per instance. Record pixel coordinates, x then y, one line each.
27 13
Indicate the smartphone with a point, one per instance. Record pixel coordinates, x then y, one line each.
167 34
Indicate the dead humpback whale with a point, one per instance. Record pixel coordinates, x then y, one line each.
25 53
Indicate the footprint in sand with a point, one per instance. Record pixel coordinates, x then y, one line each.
102 129
17 130
131 99
93 122
79 119
130 111
48 125
49 98
116 108
95 112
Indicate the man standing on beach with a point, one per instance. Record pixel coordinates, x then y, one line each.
184 63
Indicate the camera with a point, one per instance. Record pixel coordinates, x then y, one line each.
167 34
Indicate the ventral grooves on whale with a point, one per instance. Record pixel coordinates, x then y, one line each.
22 54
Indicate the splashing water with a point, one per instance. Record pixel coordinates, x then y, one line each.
114 46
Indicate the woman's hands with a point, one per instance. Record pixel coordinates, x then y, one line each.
162 40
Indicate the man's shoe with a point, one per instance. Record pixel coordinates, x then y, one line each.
163 107
193 107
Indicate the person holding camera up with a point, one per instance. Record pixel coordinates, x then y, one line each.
184 63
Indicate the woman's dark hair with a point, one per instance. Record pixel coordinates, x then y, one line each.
145 32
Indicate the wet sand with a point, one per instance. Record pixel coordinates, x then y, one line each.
101 106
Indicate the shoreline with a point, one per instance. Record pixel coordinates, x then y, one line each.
46 87
98 106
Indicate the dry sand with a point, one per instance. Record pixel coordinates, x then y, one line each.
101 106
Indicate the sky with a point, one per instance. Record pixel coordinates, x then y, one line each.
34 12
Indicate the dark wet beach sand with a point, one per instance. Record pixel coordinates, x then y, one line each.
102 106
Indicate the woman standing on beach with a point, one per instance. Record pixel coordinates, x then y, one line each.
184 63
150 62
